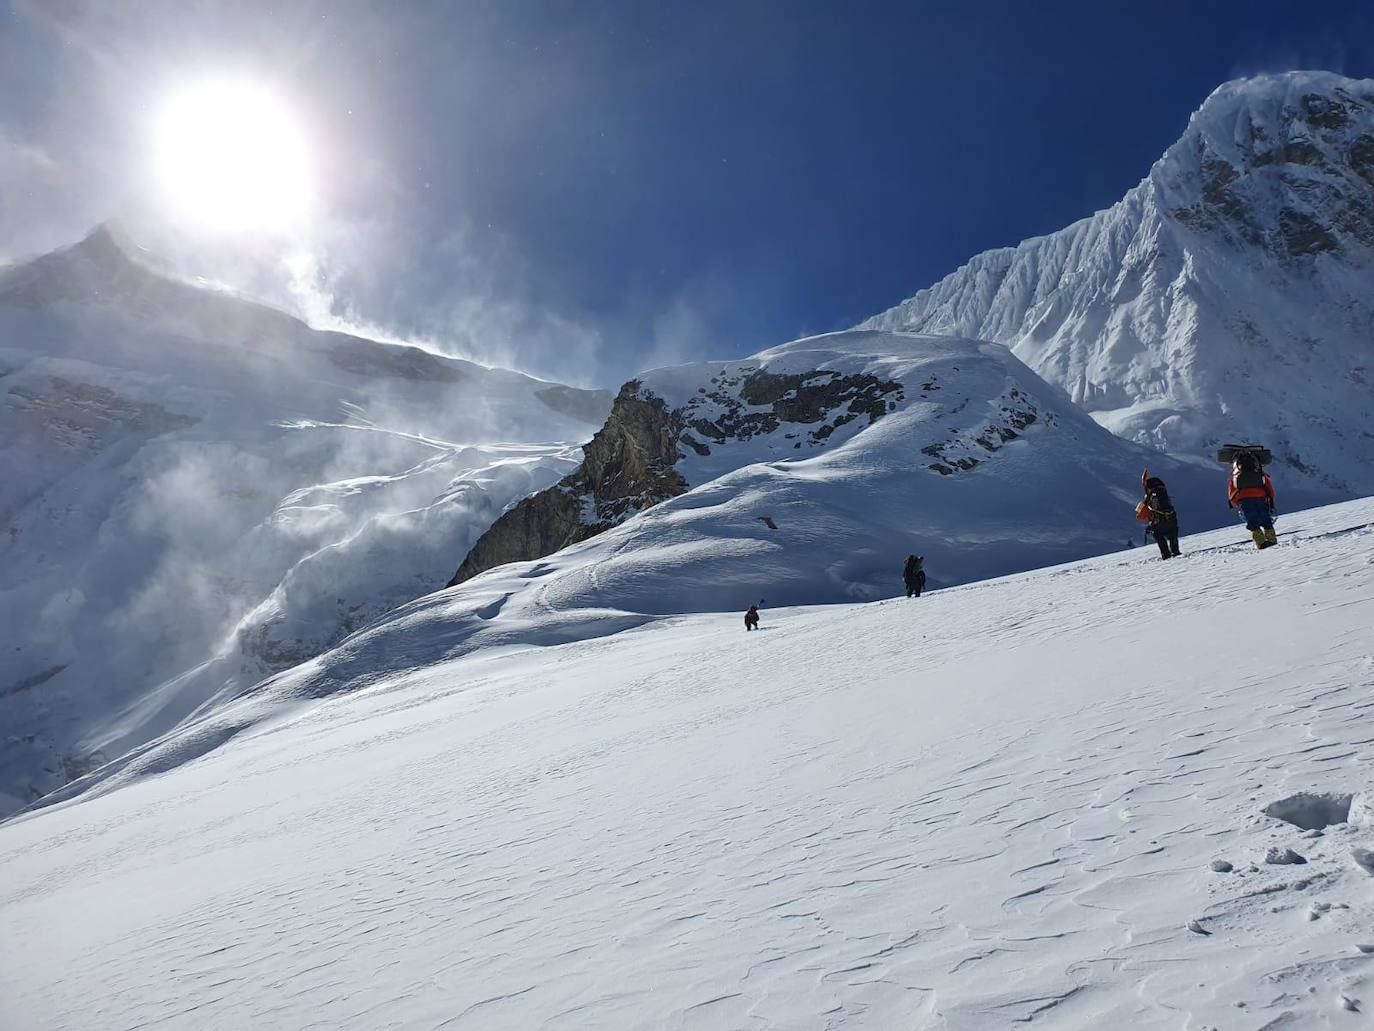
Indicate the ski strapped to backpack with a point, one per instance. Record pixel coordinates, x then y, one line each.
1228 453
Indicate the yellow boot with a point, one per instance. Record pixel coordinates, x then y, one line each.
1270 537
1258 536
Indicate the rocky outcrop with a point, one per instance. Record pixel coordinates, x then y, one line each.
748 404
1294 179
963 451
83 416
626 467
630 465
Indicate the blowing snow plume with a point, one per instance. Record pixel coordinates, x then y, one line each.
197 490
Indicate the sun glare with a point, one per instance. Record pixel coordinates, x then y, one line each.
229 156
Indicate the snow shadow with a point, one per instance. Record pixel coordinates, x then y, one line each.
1311 812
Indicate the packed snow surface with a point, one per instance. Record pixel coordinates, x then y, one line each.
1036 799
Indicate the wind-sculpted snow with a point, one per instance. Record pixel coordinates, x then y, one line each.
197 491
1226 297
1043 799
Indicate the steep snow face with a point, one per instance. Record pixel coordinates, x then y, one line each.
815 467
196 491
1226 297
1048 800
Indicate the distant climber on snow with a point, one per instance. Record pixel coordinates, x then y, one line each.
1157 512
1251 490
913 575
751 618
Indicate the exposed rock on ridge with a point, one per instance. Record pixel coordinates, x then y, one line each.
629 465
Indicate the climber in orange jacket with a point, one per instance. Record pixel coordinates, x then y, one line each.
1251 491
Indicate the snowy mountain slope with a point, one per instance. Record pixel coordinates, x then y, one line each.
860 447
1225 297
998 804
1051 485
179 462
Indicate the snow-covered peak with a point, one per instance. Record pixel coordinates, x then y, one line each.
1283 163
196 490
1226 296
105 248
99 267
1244 117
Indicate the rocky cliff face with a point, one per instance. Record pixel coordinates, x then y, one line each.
633 462
1287 169
1227 296
627 467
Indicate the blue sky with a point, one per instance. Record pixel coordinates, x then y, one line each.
585 189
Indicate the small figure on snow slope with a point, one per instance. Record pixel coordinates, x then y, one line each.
1157 512
751 618
1251 491
913 575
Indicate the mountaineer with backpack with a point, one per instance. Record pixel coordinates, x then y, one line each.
1157 512
913 575
1251 490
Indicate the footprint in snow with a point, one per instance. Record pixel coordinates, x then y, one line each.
1311 811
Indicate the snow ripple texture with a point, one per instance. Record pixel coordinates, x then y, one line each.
997 804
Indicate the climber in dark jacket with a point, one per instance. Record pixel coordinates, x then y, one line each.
751 618
1156 511
913 576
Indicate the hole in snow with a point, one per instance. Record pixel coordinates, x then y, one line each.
1311 812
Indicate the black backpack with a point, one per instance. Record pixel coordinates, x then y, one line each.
1159 496
1249 472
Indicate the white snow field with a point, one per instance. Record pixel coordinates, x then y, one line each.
997 804
196 491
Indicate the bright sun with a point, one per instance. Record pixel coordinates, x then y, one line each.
229 156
